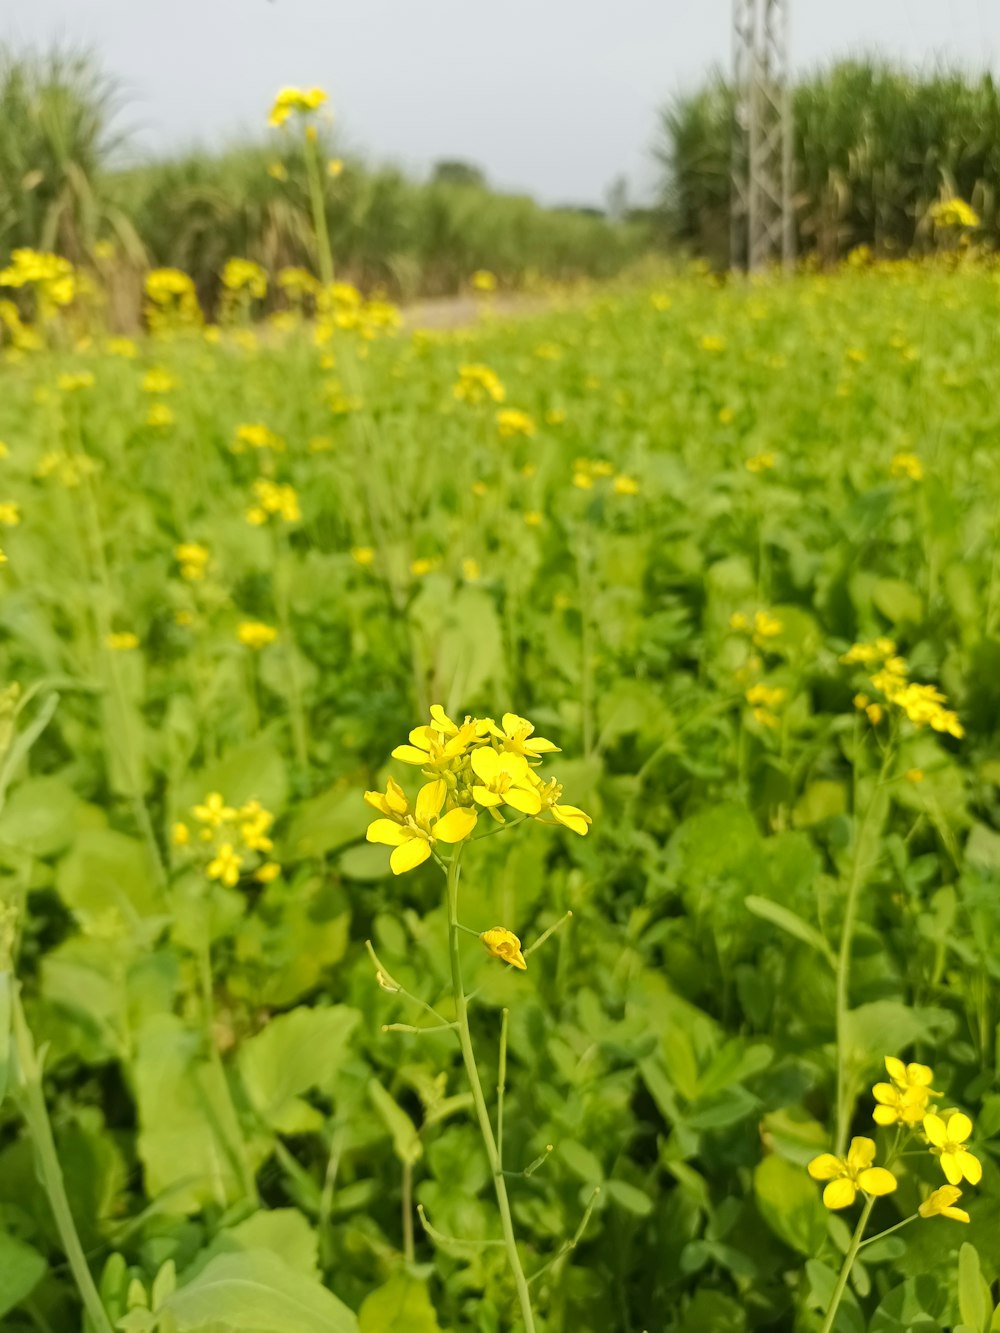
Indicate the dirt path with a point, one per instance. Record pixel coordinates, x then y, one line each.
457 312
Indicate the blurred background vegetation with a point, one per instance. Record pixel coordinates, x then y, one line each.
875 148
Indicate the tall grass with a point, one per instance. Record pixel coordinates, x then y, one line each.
874 148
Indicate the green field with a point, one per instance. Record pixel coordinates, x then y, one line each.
659 544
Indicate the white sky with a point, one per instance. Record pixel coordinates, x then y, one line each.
556 97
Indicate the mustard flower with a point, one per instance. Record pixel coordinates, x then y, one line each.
504 944
512 422
711 342
226 865
570 816
471 571
213 811
949 214
180 834
484 281
847 1175
193 559
478 384
624 485
412 834
158 380
255 435
517 735
10 513
122 641
267 873
906 465
334 168
73 383
504 779
941 1203
760 462
255 634
363 556
948 1140
122 347
159 414
295 101
243 275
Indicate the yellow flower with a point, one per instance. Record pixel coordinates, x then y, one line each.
295 101
904 1100
334 168
82 379
470 570
277 171
914 775
255 435
906 465
947 1138
726 415
760 462
363 555
159 414
504 944
412 835
954 213
123 347
624 485
243 275
157 380
511 422
180 834
504 779
255 634
421 566
484 281
847 1175
226 865
267 873
193 559
10 513
570 816
517 736
478 384
533 518
273 498
941 1203
255 822
439 743
123 641
766 626
213 811
711 342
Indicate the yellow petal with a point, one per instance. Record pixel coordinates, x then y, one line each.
422 737
825 1167
935 1130
573 818
514 765
430 799
972 1168
521 798
409 855
952 1167
895 1069
885 1115
959 1127
486 764
441 721
886 1094
483 796
409 754
922 1076
860 1154
877 1180
958 1214
539 745
376 799
386 831
455 825
839 1193
512 723
395 797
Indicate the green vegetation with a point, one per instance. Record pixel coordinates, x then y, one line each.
874 149
247 566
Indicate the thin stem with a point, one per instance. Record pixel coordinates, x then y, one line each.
546 933
329 1184
889 1230
569 1245
479 1101
845 1272
855 884
49 1171
324 253
408 1251
501 1084
296 707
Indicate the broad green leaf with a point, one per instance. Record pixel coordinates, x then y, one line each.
581 1161
107 877
400 1304
790 1204
21 1269
252 771
629 1197
973 1293
256 1292
327 821
297 1051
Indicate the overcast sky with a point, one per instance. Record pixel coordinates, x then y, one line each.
552 96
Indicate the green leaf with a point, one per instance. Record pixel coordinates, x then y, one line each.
629 1197
789 1203
6 982
973 1293
406 1142
255 770
256 1292
791 923
400 1304
898 601
297 1051
105 877
328 821
581 1161
21 1269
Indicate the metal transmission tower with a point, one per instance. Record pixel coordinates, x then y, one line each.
762 221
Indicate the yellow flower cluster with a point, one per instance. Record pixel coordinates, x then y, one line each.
472 766
951 214
588 470
906 465
230 840
68 469
255 634
193 560
295 102
255 435
484 281
923 705
122 641
339 305
10 513
761 626
22 337
273 498
512 422
760 462
171 299
478 384
906 1103
51 276
297 282
158 380
764 701
243 275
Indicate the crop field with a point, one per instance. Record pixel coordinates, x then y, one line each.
734 548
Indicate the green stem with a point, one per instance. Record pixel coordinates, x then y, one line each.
479 1101
855 884
408 1250
50 1173
324 253
889 1230
845 1272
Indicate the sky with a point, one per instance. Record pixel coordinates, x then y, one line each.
552 97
